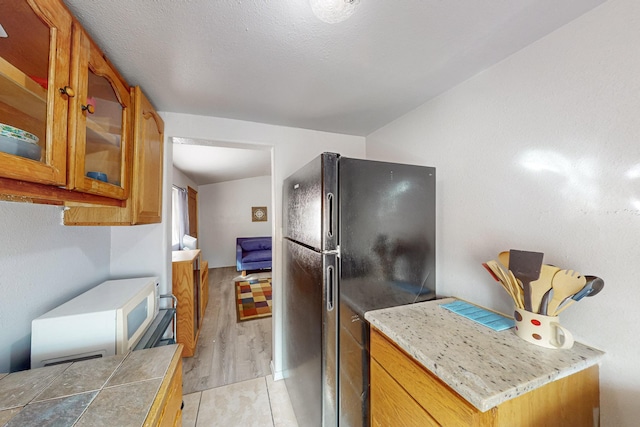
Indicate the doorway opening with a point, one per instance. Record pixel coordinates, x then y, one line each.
232 181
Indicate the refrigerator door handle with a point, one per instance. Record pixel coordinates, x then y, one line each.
329 215
330 286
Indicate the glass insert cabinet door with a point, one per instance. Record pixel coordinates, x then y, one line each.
35 43
100 123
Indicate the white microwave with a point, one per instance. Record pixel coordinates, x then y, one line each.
106 320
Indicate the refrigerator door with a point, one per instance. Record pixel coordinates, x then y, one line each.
310 334
387 258
310 204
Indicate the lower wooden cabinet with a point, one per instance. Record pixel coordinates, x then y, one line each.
404 393
166 410
187 285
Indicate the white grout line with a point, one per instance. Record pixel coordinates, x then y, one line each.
273 421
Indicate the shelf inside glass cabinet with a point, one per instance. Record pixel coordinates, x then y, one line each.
21 92
23 102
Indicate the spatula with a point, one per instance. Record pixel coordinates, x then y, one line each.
565 284
592 287
542 285
526 267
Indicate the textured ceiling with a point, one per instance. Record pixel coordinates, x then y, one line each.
273 61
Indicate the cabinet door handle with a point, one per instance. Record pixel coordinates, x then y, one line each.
89 108
67 90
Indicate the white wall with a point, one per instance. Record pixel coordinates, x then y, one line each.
145 250
292 148
180 179
42 265
541 153
224 213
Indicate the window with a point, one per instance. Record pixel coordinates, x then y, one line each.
179 217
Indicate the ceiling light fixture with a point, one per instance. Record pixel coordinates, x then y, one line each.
333 11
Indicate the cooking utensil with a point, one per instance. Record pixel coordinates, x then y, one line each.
592 287
503 257
544 302
541 286
486 266
497 274
526 267
503 277
565 284
517 286
498 279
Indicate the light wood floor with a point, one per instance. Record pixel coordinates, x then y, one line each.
228 351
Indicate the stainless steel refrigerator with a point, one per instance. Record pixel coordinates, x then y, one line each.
359 235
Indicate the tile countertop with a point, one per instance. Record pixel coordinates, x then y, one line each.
115 390
484 366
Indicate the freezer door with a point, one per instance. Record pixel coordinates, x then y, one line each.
310 204
387 233
310 334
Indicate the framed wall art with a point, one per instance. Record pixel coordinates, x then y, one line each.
259 213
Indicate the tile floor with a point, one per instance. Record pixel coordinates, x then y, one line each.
259 402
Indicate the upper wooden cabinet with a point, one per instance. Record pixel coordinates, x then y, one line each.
148 130
144 205
99 122
77 111
34 89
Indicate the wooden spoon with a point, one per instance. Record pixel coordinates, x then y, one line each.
542 285
565 283
508 282
517 288
593 286
498 276
503 257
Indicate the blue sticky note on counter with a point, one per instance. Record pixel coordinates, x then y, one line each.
492 320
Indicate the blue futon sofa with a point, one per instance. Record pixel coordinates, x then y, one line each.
253 253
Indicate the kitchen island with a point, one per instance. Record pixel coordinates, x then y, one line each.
140 388
435 367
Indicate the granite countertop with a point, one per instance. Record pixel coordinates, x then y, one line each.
483 366
115 391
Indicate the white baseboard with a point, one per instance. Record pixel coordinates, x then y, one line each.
277 376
